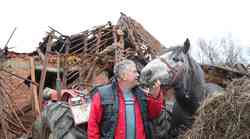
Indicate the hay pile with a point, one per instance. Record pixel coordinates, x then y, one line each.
225 115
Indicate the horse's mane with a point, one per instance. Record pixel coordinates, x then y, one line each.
165 50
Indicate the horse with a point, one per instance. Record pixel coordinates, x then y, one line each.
178 70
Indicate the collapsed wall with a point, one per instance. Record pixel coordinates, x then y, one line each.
15 97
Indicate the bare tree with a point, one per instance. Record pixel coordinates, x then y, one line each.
208 53
222 51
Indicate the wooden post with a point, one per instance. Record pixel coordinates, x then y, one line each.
119 44
35 101
58 78
65 64
44 70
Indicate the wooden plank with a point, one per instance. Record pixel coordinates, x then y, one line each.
44 69
35 101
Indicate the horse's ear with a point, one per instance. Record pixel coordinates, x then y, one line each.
186 46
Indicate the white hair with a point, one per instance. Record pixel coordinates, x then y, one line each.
122 67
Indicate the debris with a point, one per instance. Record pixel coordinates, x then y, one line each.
11 124
223 75
93 51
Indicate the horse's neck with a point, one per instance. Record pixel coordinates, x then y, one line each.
195 79
186 106
190 90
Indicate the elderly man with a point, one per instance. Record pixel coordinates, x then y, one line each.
121 110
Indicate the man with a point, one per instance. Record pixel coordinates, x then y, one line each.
121 110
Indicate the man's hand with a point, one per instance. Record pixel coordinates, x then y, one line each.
155 90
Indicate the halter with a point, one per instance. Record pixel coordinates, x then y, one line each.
173 70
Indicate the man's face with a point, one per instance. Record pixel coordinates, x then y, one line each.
132 76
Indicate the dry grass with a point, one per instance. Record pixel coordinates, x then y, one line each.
224 115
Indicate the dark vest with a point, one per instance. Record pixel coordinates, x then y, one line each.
110 103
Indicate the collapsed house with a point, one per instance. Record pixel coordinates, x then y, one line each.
79 61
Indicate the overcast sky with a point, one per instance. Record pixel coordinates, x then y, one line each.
170 21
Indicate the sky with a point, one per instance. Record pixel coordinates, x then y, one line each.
170 21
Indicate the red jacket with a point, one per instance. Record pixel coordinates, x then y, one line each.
95 117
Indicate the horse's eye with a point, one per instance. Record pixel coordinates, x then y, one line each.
176 59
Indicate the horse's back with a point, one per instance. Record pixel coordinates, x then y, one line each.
212 88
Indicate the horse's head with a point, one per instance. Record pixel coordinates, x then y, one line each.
176 69
168 67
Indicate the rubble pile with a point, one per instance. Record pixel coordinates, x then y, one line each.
224 115
15 97
93 51
223 75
